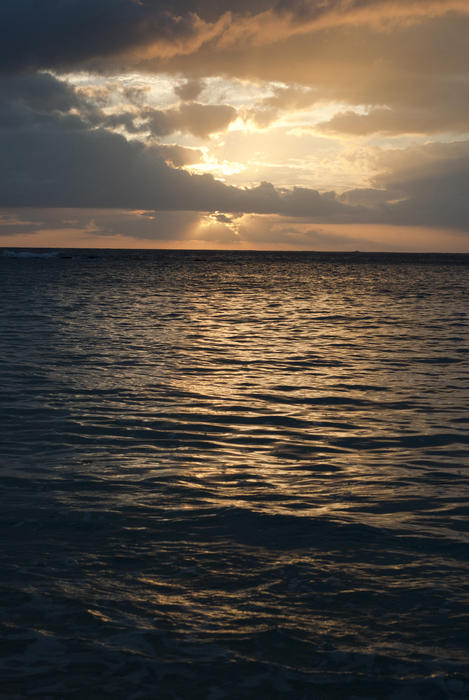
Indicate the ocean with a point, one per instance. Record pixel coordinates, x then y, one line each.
234 475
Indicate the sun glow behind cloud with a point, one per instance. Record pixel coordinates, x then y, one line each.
313 110
266 139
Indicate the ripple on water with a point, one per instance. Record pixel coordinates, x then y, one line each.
234 473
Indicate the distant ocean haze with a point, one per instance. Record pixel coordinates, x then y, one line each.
234 470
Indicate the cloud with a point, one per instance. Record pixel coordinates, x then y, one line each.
283 98
430 183
74 33
368 197
40 92
58 159
40 103
410 80
450 113
178 156
193 118
83 33
113 228
59 164
89 226
146 225
352 68
190 89
55 158
405 61
419 186
287 233
200 120
53 155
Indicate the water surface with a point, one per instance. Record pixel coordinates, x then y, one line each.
234 475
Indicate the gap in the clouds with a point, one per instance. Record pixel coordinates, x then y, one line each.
275 132
270 136
404 179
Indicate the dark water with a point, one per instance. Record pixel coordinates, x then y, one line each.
234 475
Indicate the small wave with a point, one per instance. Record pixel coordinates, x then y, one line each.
28 254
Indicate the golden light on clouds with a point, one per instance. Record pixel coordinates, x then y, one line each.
339 113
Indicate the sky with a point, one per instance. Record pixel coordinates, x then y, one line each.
283 125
